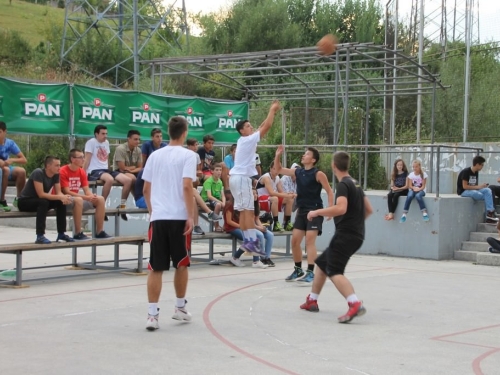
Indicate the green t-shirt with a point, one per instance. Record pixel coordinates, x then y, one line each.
214 187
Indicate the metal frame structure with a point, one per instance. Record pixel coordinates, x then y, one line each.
132 22
355 71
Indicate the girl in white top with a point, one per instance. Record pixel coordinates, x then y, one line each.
416 183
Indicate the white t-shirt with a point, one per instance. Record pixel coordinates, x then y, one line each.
165 170
100 154
416 180
244 159
261 188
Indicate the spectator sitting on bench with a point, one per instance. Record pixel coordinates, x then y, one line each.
97 167
272 198
154 144
227 165
495 190
207 155
72 177
36 197
212 193
468 186
192 144
128 157
10 173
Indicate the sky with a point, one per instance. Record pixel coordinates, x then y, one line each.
489 12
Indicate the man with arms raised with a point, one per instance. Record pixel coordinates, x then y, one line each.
240 180
310 182
168 191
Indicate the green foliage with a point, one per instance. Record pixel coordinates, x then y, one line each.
15 49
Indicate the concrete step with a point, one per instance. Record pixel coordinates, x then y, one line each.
468 256
475 246
487 228
480 236
488 259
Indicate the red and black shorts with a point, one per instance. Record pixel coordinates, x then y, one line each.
265 203
167 242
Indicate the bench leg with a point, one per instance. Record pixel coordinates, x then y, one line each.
74 256
117 256
93 256
234 245
210 249
288 244
19 268
140 255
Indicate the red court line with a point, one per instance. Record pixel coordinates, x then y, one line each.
208 323
476 363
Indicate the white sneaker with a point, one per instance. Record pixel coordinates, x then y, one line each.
182 314
152 323
237 262
259 264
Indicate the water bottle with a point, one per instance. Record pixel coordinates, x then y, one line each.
8 274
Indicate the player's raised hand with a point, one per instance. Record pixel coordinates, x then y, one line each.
279 150
275 106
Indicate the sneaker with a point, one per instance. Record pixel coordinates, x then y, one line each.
426 217
403 219
106 218
491 221
297 272
42 240
64 237
289 226
492 217
253 247
122 207
197 230
237 262
268 262
307 279
493 251
259 264
81 237
310 305
355 309
278 227
15 203
103 235
182 314
4 206
152 323
212 216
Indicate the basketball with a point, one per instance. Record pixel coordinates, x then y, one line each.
328 44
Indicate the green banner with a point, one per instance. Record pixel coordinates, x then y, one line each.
34 108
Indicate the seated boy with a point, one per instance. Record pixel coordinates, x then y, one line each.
212 192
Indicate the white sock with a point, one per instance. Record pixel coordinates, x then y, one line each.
153 309
352 298
313 296
180 302
425 214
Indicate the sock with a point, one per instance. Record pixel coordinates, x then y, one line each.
287 219
424 214
124 201
298 264
310 267
275 219
313 296
352 298
153 308
239 253
180 302
404 214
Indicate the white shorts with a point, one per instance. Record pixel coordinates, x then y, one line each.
241 189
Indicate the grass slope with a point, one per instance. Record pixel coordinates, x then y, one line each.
28 19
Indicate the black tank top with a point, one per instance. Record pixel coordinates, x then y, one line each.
308 189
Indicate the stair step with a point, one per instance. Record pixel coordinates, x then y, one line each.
475 246
468 256
480 236
488 259
487 228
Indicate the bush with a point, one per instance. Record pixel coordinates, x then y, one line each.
15 49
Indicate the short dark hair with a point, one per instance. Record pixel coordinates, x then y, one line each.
3 126
133 132
240 124
208 137
177 125
233 147
478 160
72 153
216 165
49 160
155 131
191 141
315 153
98 129
342 161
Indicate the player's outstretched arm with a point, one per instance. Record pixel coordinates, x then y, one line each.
279 167
268 122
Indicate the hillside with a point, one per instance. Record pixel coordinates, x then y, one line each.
28 19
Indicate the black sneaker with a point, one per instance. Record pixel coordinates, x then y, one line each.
81 237
103 235
106 218
268 262
64 237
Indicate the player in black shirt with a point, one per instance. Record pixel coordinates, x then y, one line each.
350 211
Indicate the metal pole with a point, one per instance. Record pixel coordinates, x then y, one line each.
437 171
394 73
367 132
136 48
432 138
306 119
420 62
64 29
153 68
467 69
283 131
336 104
346 98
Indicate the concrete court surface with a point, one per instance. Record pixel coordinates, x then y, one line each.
424 317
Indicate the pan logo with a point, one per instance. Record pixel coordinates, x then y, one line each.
97 112
145 116
228 120
193 118
41 108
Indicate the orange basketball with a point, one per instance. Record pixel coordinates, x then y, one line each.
328 44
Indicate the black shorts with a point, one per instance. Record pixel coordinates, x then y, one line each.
97 173
334 259
301 222
167 241
211 204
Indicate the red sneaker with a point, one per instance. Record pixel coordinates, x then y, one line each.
355 309
310 305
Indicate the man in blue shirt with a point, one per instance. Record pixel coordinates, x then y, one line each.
9 172
154 144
